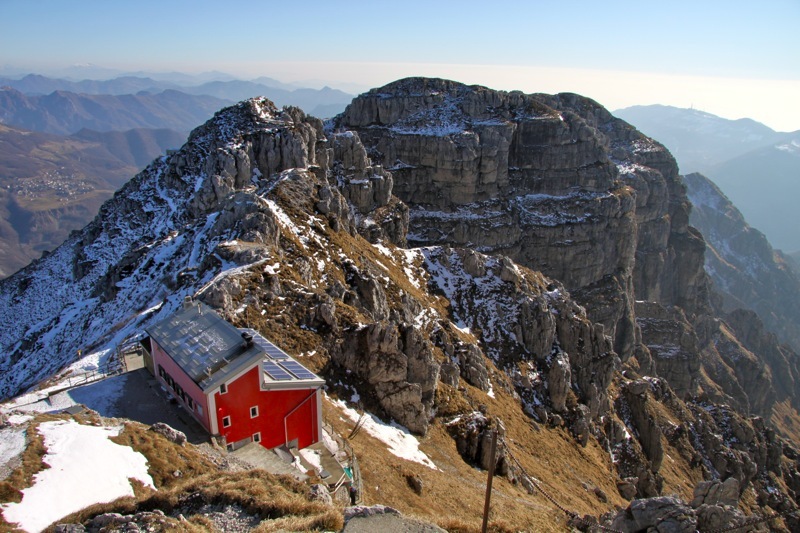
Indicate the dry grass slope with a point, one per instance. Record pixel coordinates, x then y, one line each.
453 497
280 502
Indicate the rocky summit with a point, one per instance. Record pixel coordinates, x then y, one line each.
444 250
554 182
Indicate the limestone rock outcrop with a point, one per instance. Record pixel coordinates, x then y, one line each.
554 182
473 433
662 514
776 363
672 343
714 507
398 364
560 362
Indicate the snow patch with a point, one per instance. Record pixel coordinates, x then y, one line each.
18 419
85 468
12 443
399 441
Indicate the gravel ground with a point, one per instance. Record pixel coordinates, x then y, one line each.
364 519
228 518
389 523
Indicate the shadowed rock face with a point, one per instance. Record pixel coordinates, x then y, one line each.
554 182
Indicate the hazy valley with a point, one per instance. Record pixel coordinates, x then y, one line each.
755 166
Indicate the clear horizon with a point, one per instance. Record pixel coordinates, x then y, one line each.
734 59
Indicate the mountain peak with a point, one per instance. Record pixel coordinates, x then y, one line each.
95 269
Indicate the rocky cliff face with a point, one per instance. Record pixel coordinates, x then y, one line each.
554 182
292 227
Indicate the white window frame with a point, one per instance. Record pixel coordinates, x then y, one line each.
257 436
228 418
251 412
223 388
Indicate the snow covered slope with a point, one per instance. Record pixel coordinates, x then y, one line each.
142 254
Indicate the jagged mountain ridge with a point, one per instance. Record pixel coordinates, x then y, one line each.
117 264
554 182
560 185
263 215
140 212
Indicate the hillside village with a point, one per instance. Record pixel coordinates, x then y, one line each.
364 305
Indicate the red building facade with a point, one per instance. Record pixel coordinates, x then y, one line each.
235 383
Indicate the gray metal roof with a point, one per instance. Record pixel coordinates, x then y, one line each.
210 350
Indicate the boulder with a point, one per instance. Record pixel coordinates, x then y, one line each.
716 492
368 510
663 514
319 493
711 517
171 434
473 435
69 528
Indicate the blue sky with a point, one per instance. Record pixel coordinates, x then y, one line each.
733 58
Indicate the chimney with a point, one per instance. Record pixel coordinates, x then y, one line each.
187 302
248 340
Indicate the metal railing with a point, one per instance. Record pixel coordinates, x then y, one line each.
349 456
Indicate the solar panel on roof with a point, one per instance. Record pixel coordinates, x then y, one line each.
276 372
275 352
270 349
298 370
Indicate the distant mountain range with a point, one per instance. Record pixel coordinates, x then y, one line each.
322 103
64 112
757 168
765 185
746 271
67 145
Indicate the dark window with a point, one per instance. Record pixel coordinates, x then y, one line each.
226 421
223 389
254 411
256 437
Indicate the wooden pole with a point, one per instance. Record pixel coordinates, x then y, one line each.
489 481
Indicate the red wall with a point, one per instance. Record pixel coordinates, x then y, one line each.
160 358
273 406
